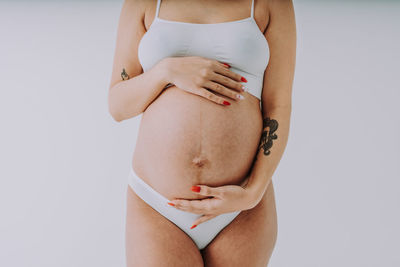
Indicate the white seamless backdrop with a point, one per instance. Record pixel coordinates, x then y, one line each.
64 161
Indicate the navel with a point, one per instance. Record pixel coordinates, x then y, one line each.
199 161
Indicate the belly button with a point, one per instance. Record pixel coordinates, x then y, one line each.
199 161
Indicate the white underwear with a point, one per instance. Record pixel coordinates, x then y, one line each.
201 235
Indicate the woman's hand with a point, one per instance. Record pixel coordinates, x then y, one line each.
196 75
227 198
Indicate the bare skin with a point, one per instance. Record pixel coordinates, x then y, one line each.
189 137
152 240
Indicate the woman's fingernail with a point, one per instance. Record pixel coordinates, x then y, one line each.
171 204
193 226
245 89
240 96
226 65
243 79
226 103
195 188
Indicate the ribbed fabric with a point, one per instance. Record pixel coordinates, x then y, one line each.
240 43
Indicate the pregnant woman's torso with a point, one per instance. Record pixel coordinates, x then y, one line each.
185 139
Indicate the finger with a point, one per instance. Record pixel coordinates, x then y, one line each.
201 206
225 64
227 82
189 206
221 69
207 190
202 219
223 90
213 97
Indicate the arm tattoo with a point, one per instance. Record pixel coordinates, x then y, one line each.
124 75
268 135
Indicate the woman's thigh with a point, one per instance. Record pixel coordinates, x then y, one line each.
153 240
248 240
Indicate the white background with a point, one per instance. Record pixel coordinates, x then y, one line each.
64 161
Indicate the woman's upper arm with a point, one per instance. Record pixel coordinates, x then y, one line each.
130 31
281 37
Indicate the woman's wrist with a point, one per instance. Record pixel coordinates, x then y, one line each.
253 194
163 69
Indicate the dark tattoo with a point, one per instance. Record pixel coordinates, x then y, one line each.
124 75
268 135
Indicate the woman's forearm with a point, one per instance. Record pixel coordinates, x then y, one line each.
131 97
273 142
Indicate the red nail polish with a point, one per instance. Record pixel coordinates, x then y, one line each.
171 204
193 226
195 188
226 103
227 65
243 79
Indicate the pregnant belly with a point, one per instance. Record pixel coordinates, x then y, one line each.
185 139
